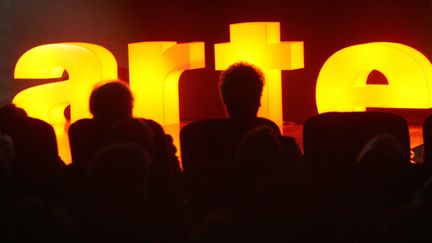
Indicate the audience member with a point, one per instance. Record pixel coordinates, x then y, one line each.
259 158
118 208
109 103
244 181
209 147
35 162
382 182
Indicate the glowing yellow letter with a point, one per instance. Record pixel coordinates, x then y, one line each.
341 84
259 44
155 69
86 64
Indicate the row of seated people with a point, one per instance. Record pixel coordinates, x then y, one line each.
240 180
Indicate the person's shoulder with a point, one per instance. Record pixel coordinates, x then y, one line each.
261 121
208 121
151 123
205 124
30 125
157 128
83 121
265 121
82 124
32 121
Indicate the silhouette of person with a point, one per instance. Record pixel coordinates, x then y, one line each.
241 86
111 105
209 147
35 162
381 183
163 171
135 131
240 89
118 176
383 173
259 158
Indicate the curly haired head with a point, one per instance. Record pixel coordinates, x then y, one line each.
111 101
241 86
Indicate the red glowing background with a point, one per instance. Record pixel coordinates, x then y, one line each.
324 26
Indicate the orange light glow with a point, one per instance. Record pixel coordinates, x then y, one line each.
341 84
155 69
258 43
87 65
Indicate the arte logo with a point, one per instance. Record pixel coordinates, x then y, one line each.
155 69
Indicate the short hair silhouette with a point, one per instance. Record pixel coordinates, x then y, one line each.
241 86
384 151
119 174
111 101
135 131
383 174
259 155
8 114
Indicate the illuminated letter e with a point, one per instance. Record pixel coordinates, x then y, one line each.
341 84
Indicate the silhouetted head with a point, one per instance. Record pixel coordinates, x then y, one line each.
8 114
132 130
383 152
260 153
118 176
382 176
9 110
111 101
241 86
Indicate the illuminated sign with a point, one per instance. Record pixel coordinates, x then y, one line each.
341 84
86 64
155 69
259 44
